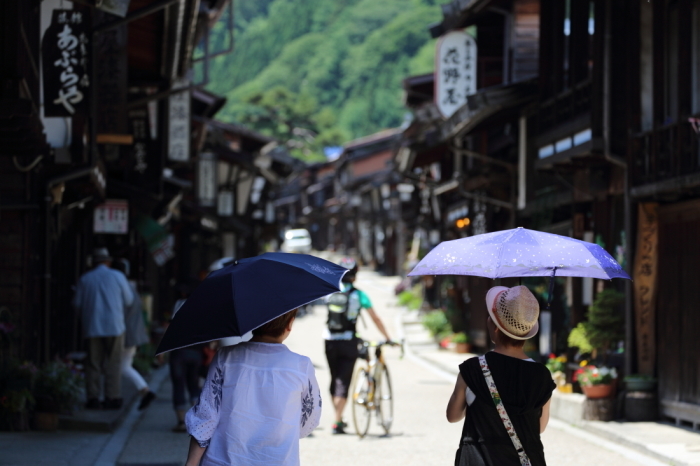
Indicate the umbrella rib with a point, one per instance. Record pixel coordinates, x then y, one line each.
500 252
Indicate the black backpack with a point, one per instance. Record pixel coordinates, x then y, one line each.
339 319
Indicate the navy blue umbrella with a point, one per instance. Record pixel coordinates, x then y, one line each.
249 293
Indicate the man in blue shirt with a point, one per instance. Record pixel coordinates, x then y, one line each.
101 296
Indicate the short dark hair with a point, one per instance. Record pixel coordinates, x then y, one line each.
505 340
276 327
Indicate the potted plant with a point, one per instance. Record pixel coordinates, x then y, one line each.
640 383
605 325
16 399
596 382
461 341
437 324
640 403
14 409
557 366
59 388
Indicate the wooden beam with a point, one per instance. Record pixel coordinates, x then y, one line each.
136 14
122 139
485 158
487 200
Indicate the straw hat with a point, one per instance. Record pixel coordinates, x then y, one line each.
514 311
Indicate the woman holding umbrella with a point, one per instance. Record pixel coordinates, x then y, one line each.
259 398
520 388
258 401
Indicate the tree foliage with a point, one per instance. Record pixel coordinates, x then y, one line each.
339 63
294 119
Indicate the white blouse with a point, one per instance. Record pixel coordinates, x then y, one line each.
258 401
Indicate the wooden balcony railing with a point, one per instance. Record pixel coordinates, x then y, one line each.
565 106
663 153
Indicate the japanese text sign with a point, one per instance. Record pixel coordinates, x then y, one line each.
206 180
65 61
455 71
645 289
112 217
179 124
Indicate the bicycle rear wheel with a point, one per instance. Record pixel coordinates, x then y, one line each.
385 400
361 396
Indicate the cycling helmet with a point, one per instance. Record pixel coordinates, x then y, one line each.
350 264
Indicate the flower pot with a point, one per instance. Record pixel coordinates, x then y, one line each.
463 347
45 421
633 384
599 391
641 406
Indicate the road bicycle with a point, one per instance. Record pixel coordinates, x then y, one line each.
371 389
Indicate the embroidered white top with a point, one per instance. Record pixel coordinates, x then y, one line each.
258 400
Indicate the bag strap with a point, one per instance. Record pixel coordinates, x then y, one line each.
524 460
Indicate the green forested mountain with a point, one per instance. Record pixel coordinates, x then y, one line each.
333 67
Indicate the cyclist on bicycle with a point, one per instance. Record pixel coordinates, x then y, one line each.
341 342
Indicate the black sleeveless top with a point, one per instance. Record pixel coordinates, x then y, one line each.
525 387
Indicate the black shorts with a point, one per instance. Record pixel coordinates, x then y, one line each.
341 355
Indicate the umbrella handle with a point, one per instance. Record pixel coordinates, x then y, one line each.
551 288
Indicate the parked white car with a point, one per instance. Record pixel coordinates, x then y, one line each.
297 240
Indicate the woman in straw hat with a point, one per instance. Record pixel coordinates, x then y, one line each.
504 395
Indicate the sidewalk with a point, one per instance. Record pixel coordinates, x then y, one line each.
88 438
662 441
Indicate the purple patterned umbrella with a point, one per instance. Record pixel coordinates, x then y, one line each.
519 253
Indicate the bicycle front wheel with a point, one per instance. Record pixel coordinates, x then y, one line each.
385 400
361 402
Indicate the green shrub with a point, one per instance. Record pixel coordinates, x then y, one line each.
604 325
412 299
460 337
606 322
579 339
436 322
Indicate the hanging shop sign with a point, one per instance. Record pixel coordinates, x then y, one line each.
455 71
141 162
224 206
206 180
65 61
112 217
645 271
179 123
159 241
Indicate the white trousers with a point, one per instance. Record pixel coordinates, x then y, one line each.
129 372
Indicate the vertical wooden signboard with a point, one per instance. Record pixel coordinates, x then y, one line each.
645 271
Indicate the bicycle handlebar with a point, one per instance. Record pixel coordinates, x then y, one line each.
376 344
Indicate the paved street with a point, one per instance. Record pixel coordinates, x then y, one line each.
420 434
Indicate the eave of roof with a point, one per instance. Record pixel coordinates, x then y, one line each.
237 129
486 103
458 14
